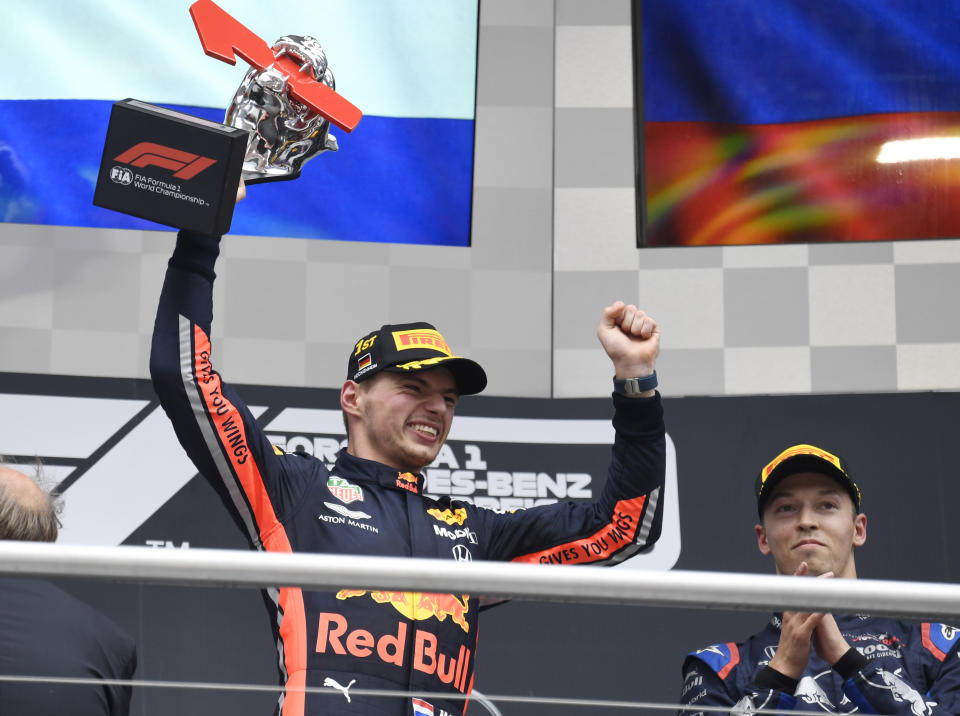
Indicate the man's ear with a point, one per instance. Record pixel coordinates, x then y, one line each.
350 398
762 544
859 530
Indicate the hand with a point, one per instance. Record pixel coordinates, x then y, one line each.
828 642
630 338
241 192
796 634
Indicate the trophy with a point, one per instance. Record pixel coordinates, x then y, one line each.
184 171
284 133
170 167
286 101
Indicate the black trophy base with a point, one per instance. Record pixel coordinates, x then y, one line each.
170 167
263 178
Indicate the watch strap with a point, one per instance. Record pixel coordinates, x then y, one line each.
635 386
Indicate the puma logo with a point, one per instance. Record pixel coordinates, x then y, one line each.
332 683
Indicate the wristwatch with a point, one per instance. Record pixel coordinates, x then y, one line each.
635 386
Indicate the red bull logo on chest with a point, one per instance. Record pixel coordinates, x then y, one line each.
408 481
451 517
420 605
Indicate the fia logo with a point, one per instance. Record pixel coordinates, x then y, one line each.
121 175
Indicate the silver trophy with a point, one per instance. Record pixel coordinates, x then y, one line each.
284 133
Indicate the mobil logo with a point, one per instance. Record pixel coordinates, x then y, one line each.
463 533
420 605
185 165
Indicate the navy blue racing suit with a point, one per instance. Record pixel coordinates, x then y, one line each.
893 668
355 639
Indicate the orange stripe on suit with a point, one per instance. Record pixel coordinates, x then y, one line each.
626 512
232 437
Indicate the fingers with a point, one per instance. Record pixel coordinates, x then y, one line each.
611 314
813 621
793 648
637 323
630 319
828 623
828 641
241 191
808 619
803 622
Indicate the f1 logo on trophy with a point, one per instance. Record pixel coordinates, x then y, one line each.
183 171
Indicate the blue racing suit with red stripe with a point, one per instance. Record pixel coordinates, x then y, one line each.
893 668
353 639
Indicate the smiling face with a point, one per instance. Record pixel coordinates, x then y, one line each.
400 419
810 518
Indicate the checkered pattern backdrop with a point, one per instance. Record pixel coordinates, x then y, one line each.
553 241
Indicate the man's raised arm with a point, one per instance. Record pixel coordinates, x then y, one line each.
625 519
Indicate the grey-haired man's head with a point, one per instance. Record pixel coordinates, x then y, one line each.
27 511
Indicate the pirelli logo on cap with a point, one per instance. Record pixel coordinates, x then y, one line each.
421 338
799 450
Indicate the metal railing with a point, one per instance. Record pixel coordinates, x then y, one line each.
702 590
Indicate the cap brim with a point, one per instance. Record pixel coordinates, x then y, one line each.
467 374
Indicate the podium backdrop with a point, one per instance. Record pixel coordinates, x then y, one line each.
126 481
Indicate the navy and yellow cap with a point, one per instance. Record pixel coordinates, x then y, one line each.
803 458
410 347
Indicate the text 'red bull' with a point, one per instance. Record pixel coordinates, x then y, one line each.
407 481
334 635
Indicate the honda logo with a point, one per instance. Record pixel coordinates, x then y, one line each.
461 553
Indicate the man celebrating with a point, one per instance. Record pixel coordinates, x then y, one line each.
810 521
402 386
